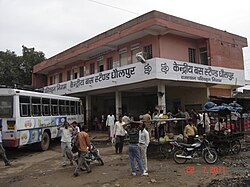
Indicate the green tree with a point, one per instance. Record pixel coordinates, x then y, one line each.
18 69
27 61
9 68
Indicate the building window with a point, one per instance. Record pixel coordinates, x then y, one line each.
56 78
101 67
148 51
203 56
100 64
135 48
191 55
123 57
81 69
109 63
133 57
75 73
50 80
92 68
60 77
68 75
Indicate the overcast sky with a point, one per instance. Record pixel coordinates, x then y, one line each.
52 26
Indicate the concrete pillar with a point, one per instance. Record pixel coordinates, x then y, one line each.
208 93
161 94
88 110
118 103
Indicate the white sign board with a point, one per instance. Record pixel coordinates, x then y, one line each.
156 68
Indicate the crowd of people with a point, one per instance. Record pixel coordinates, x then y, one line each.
138 139
200 120
139 132
117 130
142 131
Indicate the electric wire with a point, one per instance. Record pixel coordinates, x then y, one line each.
118 8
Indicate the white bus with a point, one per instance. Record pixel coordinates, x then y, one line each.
31 117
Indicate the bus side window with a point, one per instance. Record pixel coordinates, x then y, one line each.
73 108
54 107
36 106
67 107
79 108
62 109
45 106
24 106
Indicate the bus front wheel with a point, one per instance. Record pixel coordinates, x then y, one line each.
45 141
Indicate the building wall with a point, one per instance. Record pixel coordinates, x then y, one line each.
148 40
166 46
39 80
186 95
176 47
220 92
226 54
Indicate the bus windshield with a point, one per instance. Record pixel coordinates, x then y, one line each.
6 106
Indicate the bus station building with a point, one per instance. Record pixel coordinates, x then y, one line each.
185 63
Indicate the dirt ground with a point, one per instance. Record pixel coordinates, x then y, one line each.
32 168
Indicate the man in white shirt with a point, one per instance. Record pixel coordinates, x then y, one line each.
119 134
110 122
66 136
143 145
147 120
75 127
2 151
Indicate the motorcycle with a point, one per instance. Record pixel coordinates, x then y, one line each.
197 150
92 155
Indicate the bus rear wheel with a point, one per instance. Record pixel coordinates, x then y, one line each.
45 141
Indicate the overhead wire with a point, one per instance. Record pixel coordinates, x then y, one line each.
111 6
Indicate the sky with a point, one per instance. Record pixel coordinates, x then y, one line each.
52 26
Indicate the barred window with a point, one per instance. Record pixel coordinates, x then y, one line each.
191 55
148 51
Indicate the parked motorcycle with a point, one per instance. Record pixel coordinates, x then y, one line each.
197 150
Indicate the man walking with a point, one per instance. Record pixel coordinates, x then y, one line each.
84 142
2 150
66 135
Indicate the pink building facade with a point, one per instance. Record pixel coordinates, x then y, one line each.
186 62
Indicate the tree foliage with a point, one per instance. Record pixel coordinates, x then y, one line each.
17 70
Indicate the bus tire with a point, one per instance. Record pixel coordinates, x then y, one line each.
45 141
